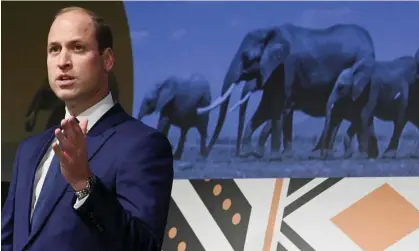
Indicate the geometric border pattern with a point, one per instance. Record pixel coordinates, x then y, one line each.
319 214
295 214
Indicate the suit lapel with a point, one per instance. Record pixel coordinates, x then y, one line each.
43 144
95 139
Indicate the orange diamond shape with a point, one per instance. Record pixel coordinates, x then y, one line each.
378 220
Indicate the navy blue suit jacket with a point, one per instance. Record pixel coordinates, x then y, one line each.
127 208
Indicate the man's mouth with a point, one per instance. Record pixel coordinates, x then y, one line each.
64 80
65 77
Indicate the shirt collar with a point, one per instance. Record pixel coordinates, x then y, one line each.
94 113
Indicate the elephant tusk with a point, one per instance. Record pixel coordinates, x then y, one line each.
240 102
217 102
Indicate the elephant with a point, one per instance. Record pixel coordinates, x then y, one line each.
176 99
392 96
46 100
296 68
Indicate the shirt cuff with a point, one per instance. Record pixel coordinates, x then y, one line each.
79 203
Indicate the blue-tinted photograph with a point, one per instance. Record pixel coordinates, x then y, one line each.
280 89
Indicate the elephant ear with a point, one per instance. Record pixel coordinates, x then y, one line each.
274 54
361 72
166 94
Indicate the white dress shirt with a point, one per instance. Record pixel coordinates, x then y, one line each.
92 115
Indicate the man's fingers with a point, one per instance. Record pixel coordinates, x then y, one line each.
70 128
64 143
64 158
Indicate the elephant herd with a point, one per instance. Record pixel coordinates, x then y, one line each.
331 73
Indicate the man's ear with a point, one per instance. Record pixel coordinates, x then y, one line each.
108 59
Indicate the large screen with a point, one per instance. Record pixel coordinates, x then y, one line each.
280 89
242 89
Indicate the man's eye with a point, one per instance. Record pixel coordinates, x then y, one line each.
54 49
78 47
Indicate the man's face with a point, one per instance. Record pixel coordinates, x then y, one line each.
75 66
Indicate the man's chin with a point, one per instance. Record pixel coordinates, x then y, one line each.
67 96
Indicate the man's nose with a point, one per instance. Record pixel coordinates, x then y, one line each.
64 60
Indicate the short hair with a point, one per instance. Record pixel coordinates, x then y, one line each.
103 31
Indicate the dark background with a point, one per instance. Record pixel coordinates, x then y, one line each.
25 26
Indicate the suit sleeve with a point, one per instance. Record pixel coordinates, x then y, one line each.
136 217
8 211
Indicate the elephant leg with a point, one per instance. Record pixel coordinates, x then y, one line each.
367 123
348 139
318 145
332 121
181 144
266 131
254 123
372 150
415 152
393 145
324 146
284 127
274 105
333 135
164 125
355 128
287 135
391 150
399 124
263 138
202 129
364 137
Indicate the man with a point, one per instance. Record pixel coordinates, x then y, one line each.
102 184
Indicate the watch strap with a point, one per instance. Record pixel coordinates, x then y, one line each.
85 191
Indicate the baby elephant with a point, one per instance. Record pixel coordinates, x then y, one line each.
392 97
176 99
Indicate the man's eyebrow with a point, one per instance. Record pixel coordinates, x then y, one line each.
52 43
71 42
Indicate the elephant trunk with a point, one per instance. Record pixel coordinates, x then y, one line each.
327 124
231 80
324 140
247 90
242 116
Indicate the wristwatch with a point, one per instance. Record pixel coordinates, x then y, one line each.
85 191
